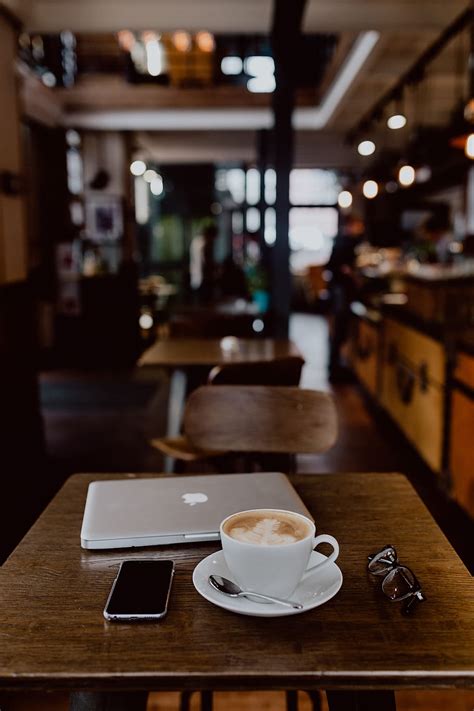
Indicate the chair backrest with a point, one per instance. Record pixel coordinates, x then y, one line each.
260 419
282 371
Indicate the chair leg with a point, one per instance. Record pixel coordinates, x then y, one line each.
291 701
315 697
185 700
206 701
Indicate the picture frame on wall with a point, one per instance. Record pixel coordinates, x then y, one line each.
104 218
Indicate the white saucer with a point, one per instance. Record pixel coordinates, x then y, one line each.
315 590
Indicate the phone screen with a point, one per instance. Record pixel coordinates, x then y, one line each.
140 589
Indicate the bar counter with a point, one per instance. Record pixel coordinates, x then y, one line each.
416 361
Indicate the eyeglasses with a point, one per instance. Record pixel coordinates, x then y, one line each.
399 582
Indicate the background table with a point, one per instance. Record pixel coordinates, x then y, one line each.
186 352
52 593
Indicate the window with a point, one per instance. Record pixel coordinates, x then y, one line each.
313 187
312 230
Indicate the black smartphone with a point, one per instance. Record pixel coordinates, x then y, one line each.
140 591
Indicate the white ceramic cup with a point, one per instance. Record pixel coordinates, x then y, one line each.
273 569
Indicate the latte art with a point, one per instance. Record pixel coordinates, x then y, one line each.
267 528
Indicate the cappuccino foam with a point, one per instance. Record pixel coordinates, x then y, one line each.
267 528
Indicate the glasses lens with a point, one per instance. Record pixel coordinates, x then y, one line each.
383 560
399 583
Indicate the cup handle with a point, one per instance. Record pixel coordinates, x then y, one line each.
324 538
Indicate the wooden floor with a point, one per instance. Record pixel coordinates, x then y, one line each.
105 424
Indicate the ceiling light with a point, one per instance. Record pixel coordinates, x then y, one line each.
259 66
126 40
150 175
469 148
391 186
232 66
261 84
396 121
138 167
156 185
344 199
366 148
182 41
317 118
205 41
406 175
48 79
146 321
370 189
154 57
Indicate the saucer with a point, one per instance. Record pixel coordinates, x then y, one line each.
315 590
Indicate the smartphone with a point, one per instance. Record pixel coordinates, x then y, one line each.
140 591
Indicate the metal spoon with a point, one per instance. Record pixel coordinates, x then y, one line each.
223 585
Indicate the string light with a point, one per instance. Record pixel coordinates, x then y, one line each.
370 189
396 121
182 41
205 41
344 199
366 148
406 175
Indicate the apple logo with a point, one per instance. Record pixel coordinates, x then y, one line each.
193 499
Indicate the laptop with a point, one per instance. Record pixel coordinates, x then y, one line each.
127 513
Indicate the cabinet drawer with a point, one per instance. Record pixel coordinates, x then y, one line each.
365 355
464 369
423 353
417 408
461 460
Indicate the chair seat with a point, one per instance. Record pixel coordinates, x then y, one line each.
180 447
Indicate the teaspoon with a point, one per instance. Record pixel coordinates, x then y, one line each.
223 585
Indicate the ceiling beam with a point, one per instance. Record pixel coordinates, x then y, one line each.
415 73
245 16
386 16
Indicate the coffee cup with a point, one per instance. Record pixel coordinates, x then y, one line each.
268 550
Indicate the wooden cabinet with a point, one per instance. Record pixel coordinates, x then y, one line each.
365 353
413 373
461 459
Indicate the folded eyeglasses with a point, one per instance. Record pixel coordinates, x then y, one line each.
399 582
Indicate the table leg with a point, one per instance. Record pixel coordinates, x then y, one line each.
361 700
206 701
176 400
106 701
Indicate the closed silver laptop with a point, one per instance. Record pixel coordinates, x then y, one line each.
128 512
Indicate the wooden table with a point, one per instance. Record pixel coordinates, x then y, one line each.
52 593
187 352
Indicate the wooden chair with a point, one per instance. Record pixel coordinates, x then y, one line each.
260 419
222 419
283 371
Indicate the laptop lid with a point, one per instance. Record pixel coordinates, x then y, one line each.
149 512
